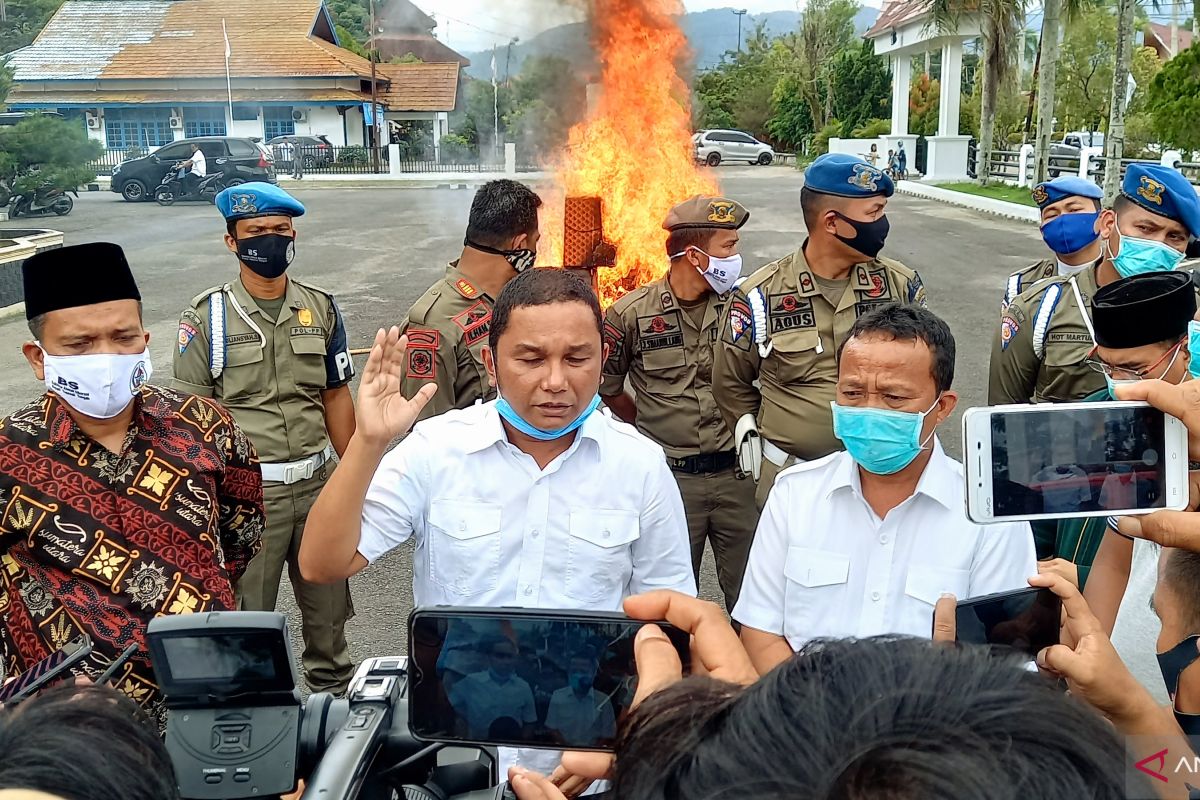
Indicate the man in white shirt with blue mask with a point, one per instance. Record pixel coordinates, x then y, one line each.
534 499
864 541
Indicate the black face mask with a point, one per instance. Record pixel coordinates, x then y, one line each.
868 236
268 255
1172 664
519 260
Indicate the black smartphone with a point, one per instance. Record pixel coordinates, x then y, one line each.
52 668
1026 620
523 677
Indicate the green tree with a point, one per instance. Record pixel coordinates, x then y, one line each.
924 100
1174 101
826 29
5 85
860 86
739 92
1085 70
46 151
24 21
791 120
1001 24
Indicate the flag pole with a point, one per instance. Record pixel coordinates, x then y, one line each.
228 80
495 108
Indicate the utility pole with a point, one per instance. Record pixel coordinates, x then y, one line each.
372 43
740 12
3 12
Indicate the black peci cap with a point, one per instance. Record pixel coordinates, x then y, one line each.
1144 309
80 275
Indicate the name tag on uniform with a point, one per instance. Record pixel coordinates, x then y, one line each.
298 331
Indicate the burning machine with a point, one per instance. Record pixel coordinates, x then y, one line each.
584 247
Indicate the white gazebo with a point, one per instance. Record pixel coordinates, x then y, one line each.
904 29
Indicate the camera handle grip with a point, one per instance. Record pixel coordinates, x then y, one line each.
350 753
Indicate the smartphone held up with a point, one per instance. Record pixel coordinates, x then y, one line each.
1068 460
523 677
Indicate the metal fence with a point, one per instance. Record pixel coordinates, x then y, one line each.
1005 165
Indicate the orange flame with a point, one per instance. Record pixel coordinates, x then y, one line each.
634 150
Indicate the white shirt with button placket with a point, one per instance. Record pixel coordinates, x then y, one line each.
823 564
602 521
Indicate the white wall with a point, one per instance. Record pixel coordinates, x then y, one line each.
354 126
244 127
321 120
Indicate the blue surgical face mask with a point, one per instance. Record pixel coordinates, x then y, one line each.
1139 256
1194 349
509 415
1113 383
1070 233
880 440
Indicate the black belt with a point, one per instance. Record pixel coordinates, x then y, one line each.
703 463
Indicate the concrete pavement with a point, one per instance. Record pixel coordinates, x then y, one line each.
380 248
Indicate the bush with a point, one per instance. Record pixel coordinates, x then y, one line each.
821 139
353 154
456 149
873 129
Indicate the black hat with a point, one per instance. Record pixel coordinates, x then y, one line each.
80 275
1144 309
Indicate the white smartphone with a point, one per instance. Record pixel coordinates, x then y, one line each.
1065 460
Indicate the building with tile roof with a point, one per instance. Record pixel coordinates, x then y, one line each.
142 73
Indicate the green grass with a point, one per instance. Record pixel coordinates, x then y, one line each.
997 191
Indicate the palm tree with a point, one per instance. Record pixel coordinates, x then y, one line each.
1114 142
1046 71
1001 22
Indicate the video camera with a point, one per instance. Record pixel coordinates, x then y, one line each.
237 727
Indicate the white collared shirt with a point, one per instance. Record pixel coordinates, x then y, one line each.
602 521
824 565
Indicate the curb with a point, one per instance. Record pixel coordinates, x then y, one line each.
987 205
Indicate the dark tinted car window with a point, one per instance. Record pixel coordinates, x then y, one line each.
173 151
213 149
241 147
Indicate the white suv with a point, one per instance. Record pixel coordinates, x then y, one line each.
713 147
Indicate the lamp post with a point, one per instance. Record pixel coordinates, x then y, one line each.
374 43
740 12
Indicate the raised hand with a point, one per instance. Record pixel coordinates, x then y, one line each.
383 412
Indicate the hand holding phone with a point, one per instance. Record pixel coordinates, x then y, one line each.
1026 620
1071 460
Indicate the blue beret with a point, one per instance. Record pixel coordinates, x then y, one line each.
847 176
1163 191
257 199
1067 186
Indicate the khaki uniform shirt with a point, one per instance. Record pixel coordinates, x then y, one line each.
275 370
782 307
669 359
1039 349
447 329
1026 277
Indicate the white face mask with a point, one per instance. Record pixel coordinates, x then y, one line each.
722 273
98 385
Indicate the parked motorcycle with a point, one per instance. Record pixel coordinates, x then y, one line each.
42 202
172 188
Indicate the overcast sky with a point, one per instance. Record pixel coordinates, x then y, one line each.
468 25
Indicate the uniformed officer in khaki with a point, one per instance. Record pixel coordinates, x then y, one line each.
1040 350
663 336
448 326
274 351
784 323
1070 207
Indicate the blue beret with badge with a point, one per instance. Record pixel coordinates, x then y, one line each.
844 175
1067 186
1163 191
257 199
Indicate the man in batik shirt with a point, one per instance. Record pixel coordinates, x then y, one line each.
119 501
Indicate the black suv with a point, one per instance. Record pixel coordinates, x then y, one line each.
316 151
241 159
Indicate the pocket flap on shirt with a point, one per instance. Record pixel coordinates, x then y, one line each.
242 354
796 341
666 358
927 584
308 345
462 521
812 568
605 528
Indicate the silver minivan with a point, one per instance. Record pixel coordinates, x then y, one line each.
713 147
